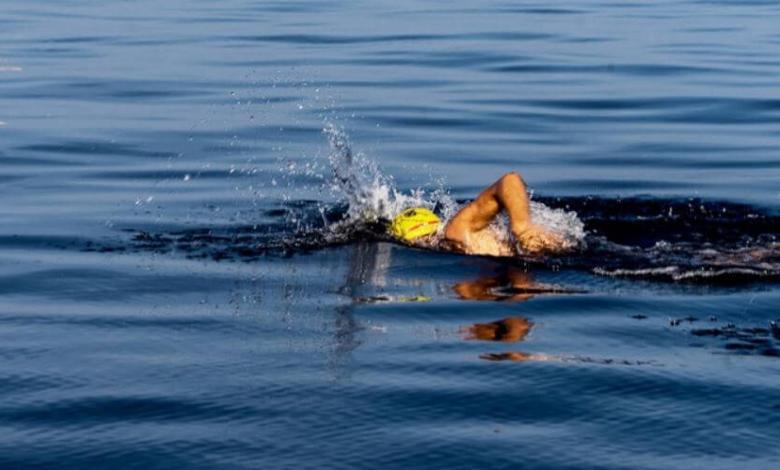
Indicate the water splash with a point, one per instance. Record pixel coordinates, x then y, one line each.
562 222
371 196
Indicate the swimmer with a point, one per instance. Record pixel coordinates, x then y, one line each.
470 232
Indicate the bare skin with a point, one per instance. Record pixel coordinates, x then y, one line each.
469 232
523 287
507 330
512 329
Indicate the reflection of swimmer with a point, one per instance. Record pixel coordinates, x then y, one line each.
485 287
516 356
508 330
520 286
511 284
470 232
519 356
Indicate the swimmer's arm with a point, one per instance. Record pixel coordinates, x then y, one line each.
508 193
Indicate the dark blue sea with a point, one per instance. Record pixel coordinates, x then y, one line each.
194 271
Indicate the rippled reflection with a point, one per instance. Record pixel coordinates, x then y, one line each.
508 330
510 284
507 284
367 263
516 356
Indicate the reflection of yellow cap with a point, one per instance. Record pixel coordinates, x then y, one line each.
415 223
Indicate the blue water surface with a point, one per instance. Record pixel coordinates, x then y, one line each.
123 119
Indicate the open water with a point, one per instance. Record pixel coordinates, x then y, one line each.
193 272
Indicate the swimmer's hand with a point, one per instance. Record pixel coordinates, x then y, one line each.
534 239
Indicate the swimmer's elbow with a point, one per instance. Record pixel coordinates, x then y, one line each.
513 177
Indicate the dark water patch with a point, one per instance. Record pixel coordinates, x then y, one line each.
603 400
93 411
106 322
325 40
106 40
644 221
153 455
9 178
159 174
711 111
58 52
713 29
27 383
660 103
520 356
76 40
431 122
20 353
622 185
651 160
653 70
259 140
94 147
322 40
35 162
249 243
445 59
677 321
761 340
550 409
156 41
754 3
97 284
532 10
46 242
116 89
264 150
289 7
685 240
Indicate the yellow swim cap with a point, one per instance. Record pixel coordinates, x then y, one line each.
415 223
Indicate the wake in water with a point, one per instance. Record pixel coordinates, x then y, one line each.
679 240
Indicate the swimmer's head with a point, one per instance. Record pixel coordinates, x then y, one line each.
413 224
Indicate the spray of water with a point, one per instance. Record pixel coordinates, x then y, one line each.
562 222
371 196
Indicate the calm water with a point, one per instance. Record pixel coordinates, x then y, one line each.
170 296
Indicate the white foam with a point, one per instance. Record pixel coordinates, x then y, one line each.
675 273
370 194
562 222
